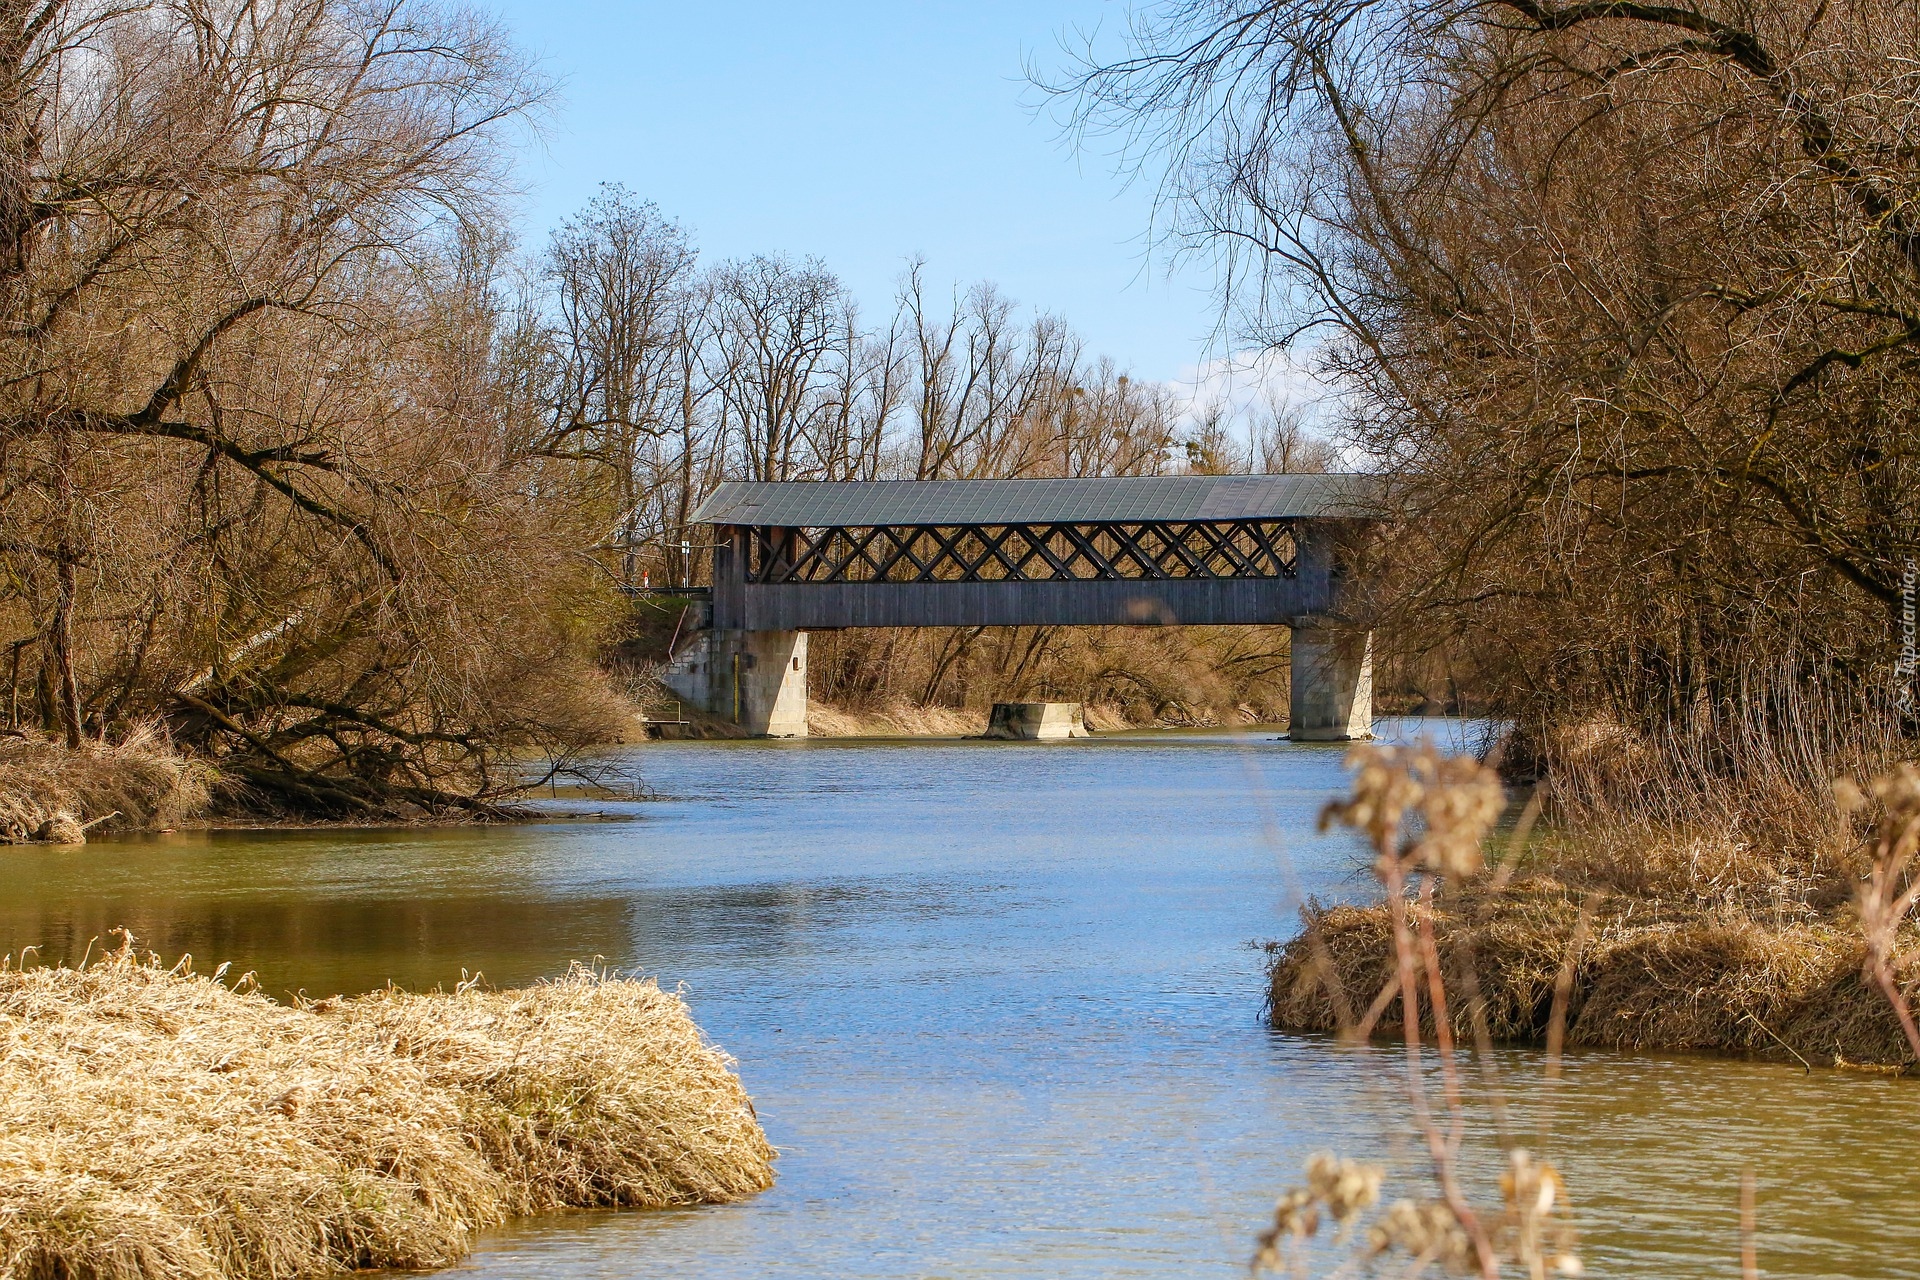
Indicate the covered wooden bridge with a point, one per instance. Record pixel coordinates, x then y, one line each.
800 556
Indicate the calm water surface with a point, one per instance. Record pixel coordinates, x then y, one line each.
996 1006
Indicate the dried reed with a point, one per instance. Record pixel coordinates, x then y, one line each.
1679 954
157 1124
50 793
1699 939
1645 979
1424 816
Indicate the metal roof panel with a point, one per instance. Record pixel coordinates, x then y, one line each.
865 503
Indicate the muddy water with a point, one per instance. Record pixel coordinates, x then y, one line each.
996 1006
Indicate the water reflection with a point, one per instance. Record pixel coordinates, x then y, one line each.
995 1004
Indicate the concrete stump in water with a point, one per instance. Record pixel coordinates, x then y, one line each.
1037 721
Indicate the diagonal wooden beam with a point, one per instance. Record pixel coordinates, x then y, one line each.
1083 544
856 551
806 550
1062 569
1128 544
894 557
993 543
826 555
1032 553
1267 534
1174 539
1223 535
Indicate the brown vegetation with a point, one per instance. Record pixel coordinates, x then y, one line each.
1628 939
157 1124
301 462
1472 952
1425 818
53 794
264 474
1626 301
1647 975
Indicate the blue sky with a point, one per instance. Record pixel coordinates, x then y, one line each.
862 133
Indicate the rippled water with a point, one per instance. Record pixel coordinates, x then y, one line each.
996 1006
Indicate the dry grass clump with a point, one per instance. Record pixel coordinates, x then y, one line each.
1628 928
894 720
1348 950
1645 975
51 793
155 1123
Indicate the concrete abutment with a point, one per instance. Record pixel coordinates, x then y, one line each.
1331 699
754 679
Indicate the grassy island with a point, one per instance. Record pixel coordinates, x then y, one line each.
1649 973
1625 933
161 1124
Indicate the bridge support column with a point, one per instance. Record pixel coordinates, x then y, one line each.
755 679
1332 685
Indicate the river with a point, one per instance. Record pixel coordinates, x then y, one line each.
997 1006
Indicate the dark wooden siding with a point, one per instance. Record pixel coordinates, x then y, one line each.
819 606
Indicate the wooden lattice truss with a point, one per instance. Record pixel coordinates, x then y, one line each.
1024 552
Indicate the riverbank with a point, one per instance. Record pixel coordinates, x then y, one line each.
1641 971
912 720
160 1124
55 795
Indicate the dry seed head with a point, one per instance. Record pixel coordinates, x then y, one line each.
1458 797
1536 1238
1848 796
1295 1214
1345 1186
1460 804
1899 793
1295 1217
1426 1229
1529 1187
1383 790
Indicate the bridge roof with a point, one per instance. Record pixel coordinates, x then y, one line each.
866 503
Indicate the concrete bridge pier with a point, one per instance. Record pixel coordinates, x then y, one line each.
1331 699
755 679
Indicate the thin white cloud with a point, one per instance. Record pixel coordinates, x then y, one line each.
1244 382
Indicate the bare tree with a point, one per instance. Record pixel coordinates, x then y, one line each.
1625 297
619 272
978 379
257 437
780 337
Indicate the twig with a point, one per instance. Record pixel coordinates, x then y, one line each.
1777 1040
1363 1030
1563 987
1749 1253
